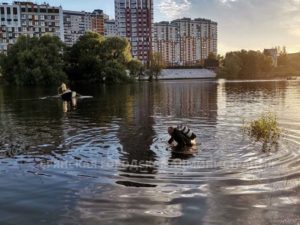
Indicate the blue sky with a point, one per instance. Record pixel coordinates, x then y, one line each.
243 24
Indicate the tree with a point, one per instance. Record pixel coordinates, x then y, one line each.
156 65
34 61
117 48
115 72
212 61
135 67
283 57
245 65
83 61
231 68
96 59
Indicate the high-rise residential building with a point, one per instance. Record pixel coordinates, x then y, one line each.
78 23
185 41
75 25
27 18
134 20
166 42
110 29
97 21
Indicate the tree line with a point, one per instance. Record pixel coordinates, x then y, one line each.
255 64
33 61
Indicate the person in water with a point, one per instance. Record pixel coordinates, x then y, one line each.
181 137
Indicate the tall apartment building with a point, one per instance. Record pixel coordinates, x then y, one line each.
97 21
185 41
134 20
27 18
78 23
166 41
110 29
75 25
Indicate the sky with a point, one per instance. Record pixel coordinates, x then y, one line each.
242 24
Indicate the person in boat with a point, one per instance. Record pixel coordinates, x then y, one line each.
66 93
62 88
181 137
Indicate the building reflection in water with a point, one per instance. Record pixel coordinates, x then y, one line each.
187 99
136 135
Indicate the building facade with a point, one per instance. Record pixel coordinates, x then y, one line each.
27 18
78 23
166 42
110 29
75 25
97 21
134 20
185 42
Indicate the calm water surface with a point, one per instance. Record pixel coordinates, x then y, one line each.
107 162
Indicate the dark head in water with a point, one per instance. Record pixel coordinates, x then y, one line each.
170 130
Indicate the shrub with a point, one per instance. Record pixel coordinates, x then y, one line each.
265 130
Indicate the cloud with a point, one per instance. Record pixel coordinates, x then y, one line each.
242 24
252 24
227 1
174 9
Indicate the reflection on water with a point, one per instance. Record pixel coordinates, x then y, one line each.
105 160
71 105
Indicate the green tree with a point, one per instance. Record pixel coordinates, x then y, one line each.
34 61
245 65
231 67
135 67
115 72
83 59
117 48
283 57
156 65
96 59
212 61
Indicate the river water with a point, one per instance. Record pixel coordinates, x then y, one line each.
106 161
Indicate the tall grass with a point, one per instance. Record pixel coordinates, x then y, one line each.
265 130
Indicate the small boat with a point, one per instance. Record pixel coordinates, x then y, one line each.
68 95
